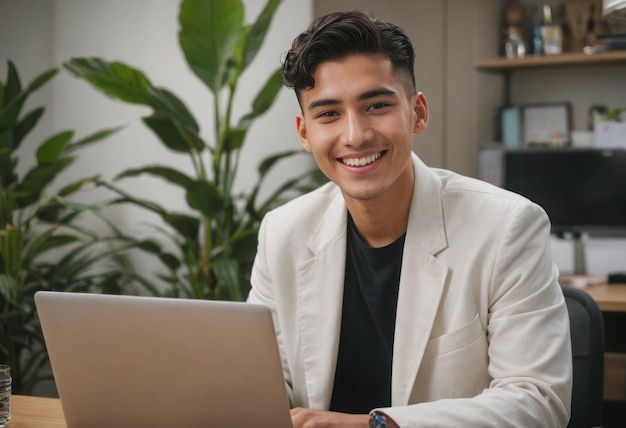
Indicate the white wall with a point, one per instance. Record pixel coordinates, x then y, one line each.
39 34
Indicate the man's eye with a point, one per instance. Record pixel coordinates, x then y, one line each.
378 106
327 114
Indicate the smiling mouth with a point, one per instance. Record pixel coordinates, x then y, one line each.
362 161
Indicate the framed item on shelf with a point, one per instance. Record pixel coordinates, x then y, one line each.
546 124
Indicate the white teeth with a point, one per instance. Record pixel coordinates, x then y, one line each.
366 160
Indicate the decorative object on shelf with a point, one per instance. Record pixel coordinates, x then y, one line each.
546 125
514 43
577 16
511 126
581 138
537 38
594 113
514 46
551 33
610 129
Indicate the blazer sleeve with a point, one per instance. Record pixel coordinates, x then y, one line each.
529 349
263 292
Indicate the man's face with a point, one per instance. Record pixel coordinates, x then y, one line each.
358 122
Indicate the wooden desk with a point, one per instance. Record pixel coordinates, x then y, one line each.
36 412
609 297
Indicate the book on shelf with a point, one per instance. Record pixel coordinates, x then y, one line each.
606 42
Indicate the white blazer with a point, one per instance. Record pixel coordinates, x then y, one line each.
482 333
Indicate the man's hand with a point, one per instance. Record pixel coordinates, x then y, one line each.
309 418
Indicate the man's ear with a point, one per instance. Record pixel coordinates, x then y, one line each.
301 128
421 113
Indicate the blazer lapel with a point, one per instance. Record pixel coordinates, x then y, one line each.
421 282
320 297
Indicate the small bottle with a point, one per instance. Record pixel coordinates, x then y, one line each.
537 38
514 46
551 33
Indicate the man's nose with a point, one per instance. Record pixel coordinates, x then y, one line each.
357 130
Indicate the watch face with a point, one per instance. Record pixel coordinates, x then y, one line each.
378 421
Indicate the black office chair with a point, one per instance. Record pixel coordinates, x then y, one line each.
587 333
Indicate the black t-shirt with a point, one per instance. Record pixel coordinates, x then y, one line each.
370 297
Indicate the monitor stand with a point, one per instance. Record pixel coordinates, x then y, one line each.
578 239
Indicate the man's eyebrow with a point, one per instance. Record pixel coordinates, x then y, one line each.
323 102
364 96
376 93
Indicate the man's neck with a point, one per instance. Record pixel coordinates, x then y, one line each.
382 220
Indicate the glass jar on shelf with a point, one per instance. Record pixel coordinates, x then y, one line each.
514 45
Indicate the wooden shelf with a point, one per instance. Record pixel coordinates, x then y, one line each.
566 59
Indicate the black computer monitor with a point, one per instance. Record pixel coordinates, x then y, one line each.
582 190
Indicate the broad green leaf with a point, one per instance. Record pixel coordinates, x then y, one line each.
149 205
127 198
6 141
234 139
264 99
272 200
8 288
152 247
129 84
40 80
10 113
14 96
91 138
38 178
13 86
11 239
173 106
7 171
270 161
115 79
26 125
257 33
77 185
45 242
226 271
50 150
50 212
174 137
209 31
205 197
187 226
169 174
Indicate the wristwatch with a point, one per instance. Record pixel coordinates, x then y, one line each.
378 421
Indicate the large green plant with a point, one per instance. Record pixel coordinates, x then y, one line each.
217 241
43 245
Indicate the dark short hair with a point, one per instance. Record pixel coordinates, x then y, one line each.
340 34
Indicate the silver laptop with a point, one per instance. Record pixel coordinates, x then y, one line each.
128 361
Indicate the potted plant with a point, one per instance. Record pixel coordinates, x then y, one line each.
216 241
43 245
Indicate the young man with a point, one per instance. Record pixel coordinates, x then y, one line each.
403 295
